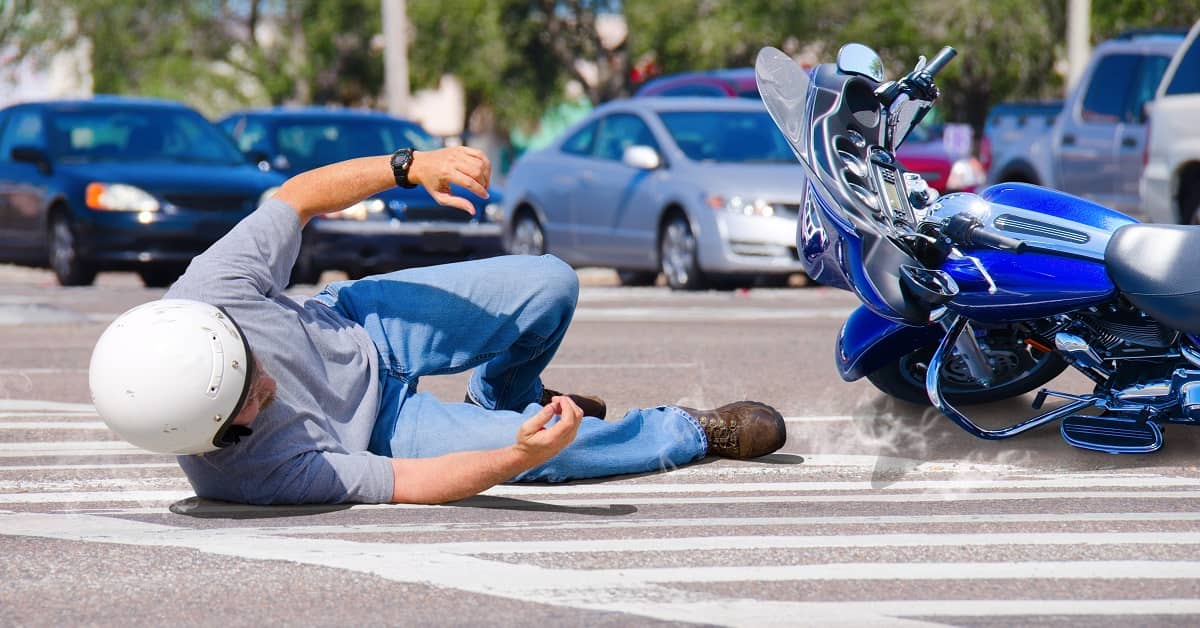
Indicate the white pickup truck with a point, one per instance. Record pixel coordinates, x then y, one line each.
1094 147
1171 181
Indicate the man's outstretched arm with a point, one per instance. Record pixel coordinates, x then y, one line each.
337 186
461 475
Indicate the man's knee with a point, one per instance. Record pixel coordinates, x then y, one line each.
558 280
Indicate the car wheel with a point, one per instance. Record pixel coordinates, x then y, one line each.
159 276
1189 202
678 257
64 254
637 277
528 238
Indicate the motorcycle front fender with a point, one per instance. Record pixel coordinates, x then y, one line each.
868 342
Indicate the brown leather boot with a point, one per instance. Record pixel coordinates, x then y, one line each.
741 430
591 406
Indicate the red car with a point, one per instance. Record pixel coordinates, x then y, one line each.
924 152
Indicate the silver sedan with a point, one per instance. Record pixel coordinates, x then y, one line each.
695 188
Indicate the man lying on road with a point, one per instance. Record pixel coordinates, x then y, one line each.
328 385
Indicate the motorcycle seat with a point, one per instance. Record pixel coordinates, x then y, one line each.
1157 267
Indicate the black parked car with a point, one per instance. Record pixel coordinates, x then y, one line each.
117 183
396 229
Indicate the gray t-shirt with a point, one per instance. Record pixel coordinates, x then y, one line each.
310 445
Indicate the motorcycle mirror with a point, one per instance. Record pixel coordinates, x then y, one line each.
861 60
783 86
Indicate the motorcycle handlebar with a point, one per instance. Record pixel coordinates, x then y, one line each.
993 240
939 61
966 229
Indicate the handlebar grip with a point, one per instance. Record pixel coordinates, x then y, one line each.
992 240
938 62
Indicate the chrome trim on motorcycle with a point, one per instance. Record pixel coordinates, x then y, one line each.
955 327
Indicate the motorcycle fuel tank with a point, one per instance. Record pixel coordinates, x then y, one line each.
1061 269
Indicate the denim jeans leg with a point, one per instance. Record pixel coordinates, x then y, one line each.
652 439
504 315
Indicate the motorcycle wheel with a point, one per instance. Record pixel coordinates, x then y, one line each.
1022 368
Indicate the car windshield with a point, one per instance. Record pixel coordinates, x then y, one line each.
310 144
727 136
138 134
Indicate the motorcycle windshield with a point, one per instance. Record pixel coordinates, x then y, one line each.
783 85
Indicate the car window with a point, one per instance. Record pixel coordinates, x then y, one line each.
232 126
581 143
1187 75
138 134
253 136
1146 82
308 144
1105 98
727 136
25 128
620 131
4 115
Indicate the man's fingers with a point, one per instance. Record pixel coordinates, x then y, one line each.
472 181
450 200
539 420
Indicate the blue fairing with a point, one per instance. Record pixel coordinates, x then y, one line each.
1028 285
868 341
1054 276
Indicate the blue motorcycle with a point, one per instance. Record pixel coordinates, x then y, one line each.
971 298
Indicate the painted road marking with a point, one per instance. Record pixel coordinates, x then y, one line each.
622 489
617 499
39 406
711 523
638 591
707 313
52 425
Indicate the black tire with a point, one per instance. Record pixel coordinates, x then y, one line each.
528 237
637 277
64 258
1189 202
677 255
159 276
1026 369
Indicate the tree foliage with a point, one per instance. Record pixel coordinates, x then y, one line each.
514 56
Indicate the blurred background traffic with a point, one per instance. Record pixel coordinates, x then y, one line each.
625 134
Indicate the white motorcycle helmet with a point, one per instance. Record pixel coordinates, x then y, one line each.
170 375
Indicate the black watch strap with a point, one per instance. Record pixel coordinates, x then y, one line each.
401 162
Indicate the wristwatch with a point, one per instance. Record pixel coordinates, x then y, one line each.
401 162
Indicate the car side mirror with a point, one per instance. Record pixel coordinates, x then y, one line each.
33 155
642 158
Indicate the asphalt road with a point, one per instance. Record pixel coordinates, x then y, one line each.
875 513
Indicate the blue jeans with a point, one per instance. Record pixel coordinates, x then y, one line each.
505 317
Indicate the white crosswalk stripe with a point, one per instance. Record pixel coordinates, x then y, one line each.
822 518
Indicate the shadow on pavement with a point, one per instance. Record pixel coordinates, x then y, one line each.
509 503
212 509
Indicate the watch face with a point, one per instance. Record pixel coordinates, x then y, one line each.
401 161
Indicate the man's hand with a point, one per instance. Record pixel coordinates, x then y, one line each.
538 442
458 165
463 474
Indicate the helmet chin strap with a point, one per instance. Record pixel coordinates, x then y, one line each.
233 435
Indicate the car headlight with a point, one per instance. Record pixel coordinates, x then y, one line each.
267 195
119 197
494 212
966 174
361 210
743 205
